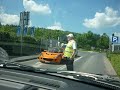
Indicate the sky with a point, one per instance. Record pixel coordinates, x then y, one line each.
81 16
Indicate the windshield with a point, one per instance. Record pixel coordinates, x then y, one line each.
62 35
55 50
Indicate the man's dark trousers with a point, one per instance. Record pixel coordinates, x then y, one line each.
69 64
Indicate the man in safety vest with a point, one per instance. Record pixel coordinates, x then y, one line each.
69 52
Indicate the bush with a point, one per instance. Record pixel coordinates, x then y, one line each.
4 36
8 36
11 37
29 39
87 47
116 52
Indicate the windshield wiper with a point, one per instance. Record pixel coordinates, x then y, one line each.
83 77
92 76
18 66
94 79
110 78
75 75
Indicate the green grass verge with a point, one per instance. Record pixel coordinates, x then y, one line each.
115 61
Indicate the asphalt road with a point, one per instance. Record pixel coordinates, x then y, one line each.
89 62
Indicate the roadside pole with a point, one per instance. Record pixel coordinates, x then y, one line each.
21 32
24 21
109 49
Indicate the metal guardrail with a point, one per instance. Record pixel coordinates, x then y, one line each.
24 58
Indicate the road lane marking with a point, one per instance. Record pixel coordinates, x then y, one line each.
78 58
64 66
90 51
61 68
37 64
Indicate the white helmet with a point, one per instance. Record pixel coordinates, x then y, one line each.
70 35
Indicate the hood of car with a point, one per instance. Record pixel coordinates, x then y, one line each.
50 55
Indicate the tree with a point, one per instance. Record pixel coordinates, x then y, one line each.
0 24
84 40
103 42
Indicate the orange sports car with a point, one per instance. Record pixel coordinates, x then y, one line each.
52 55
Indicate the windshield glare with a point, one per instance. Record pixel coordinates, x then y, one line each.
80 36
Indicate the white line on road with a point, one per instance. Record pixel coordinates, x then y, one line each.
90 51
78 58
61 68
64 66
37 64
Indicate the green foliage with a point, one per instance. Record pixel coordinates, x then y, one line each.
8 33
89 39
29 39
4 36
7 37
103 41
85 40
115 61
115 52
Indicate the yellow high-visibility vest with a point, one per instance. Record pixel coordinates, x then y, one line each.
69 49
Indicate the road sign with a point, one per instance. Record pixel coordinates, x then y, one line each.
114 39
24 21
18 30
32 31
25 31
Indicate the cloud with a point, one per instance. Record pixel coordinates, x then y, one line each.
32 6
56 26
10 19
109 18
6 18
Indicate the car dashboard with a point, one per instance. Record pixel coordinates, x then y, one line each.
23 80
